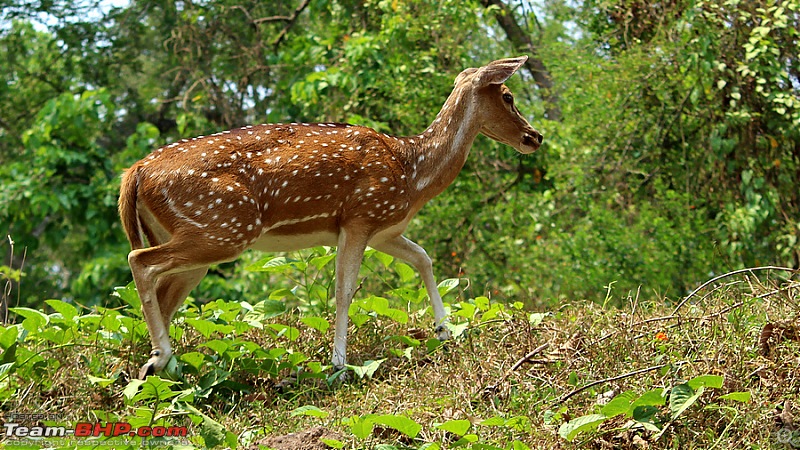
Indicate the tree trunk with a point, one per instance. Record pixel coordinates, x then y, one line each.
522 41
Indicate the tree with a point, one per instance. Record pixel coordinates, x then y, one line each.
675 155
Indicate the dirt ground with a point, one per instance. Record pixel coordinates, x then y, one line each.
304 440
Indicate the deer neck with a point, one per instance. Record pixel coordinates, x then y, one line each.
437 155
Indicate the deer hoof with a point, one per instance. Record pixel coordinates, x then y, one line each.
147 370
443 333
158 360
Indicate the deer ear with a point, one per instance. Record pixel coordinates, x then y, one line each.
497 72
464 73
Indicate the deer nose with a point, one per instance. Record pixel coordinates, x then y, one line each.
532 138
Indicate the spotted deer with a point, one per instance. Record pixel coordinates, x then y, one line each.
284 187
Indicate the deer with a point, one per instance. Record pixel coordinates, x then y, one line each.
286 187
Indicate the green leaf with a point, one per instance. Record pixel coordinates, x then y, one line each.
431 446
457 427
129 295
448 285
494 422
681 397
360 427
153 388
212 432
359 319
264 310
400 423
653 397
110 321
385 259
219 346
207 327
66 310
132 388
102 382
406 272
519 423
407 340
317 323
479 446
571 429
368 369
34 320
535 319
457 329
380 305
321 261
621 404
281 294
433 344
466 439
644 413
194 359
290 333
466 310
332 443
712 381
8 336
5 368
309 410
276 264
742 397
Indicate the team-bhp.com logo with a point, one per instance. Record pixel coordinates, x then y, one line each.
90 430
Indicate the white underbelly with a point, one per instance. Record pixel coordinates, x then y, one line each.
270 242
288 243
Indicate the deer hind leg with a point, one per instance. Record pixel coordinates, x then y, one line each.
164 277
350 253
407 250
173 289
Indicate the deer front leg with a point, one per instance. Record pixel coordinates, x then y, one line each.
407 250
349 255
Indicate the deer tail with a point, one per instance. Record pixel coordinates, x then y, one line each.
127 207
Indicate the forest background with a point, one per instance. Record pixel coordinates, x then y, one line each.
671 153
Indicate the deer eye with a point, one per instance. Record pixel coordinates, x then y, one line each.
508 98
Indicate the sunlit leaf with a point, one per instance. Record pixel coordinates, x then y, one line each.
742 397
620 404
102 382
317 323
571 429
712 381
400 423
367 369
66 310
457 427
309 410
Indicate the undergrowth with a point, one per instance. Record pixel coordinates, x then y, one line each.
720 369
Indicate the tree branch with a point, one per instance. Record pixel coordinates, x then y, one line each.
291 22
522 42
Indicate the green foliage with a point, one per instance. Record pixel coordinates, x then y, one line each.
653 410
223 386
